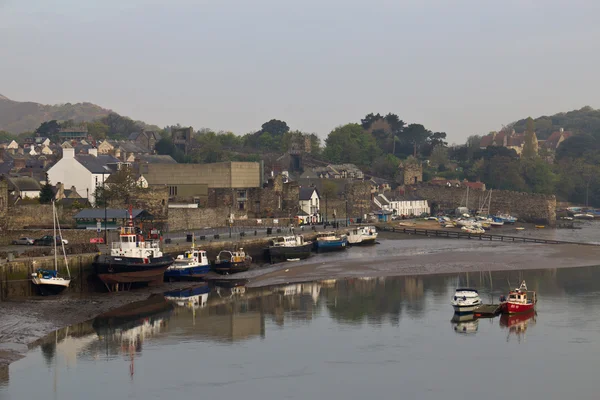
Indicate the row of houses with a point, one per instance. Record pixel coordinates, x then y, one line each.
512 140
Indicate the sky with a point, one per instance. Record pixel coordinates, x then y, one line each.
463 67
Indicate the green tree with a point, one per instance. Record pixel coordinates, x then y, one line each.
329 189
6 136
120 186
386 166
275 127
530 142
350 144
46 193
97 129
439 156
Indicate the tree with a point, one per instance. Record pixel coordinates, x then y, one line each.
350 144
329 189
48 128
315 144
439 156
46 193
6 136
97 130
578 146
386 166
120 185
368 120
413 137
275 127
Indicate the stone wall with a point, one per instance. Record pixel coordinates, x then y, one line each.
154 200
528 207
24 216
358 195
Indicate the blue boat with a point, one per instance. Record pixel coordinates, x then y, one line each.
330 241
193 264
194 297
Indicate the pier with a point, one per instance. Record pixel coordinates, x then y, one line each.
490 237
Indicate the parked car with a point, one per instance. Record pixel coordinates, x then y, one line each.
97 240
47 241
23 241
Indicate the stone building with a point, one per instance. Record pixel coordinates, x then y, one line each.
191 182
182 138
3 196
410 173
145 139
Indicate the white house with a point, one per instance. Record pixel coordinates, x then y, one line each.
13 145
83 171
310 203
24 187
405 205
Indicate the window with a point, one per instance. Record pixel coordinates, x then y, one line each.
96 181
241 205
172 191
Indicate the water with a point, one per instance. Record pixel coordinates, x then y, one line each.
345 339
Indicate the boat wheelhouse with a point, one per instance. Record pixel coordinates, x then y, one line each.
230 262
192 264
362 235
519 300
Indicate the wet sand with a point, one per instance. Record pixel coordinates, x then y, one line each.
24 321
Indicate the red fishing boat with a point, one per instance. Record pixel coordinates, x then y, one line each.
519 300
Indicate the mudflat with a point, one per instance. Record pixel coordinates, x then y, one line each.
26 320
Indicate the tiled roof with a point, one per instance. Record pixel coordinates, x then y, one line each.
96 164
25 184
306 193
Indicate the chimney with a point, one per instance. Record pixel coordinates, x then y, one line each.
69 153
60 191
93 152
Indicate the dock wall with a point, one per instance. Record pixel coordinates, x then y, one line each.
528 207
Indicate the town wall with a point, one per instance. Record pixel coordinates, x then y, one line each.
358 196
24 216
155 200
528 207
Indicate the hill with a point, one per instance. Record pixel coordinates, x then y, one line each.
583 121
26 116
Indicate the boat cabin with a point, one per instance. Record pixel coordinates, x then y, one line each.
287 241
232 256
327 236
192 256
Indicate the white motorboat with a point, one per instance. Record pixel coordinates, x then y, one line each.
584 216
465 300
49 281
362 235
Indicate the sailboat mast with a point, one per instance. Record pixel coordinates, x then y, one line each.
62 244
490 202
54 236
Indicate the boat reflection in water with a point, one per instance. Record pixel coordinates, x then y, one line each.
465 323
517 323
193 297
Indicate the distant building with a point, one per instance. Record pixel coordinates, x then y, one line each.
339 171
556 138
145 139
182 138
24 188
309 202
76 133
406 205
410 173
508 139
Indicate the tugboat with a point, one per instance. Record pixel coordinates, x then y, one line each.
362 235
132 260
519 300
287 248
230 262
192 264
330 241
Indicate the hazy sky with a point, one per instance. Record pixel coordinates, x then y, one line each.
460 66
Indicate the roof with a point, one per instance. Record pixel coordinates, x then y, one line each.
99 213
554 139
306 193
155 159
487 140
95 164
26 184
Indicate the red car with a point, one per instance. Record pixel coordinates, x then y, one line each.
97 240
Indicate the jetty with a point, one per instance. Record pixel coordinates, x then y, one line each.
490 237
487 310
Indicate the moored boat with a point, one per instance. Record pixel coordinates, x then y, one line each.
132 259
584 216
287 248
519 300
465 300
507 218
497 222
327 241
192 264
231 262
362 235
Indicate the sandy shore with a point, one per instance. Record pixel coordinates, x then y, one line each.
25 320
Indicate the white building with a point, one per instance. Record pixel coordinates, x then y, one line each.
83 171
406 205
310 203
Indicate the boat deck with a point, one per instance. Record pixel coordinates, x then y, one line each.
487 310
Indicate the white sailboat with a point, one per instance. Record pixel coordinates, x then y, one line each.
49 281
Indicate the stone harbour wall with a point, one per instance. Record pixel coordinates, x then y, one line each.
22 216
528 207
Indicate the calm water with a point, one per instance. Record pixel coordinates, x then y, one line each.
349 339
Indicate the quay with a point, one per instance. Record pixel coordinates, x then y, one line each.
487 310
457 234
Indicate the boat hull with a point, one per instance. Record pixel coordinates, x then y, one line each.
516 308
114 270
465 309
188 272
49 287
228 267
284 253
362 241
331 245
